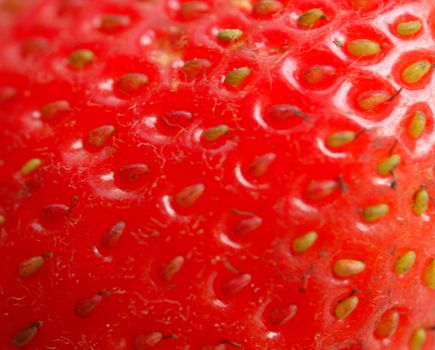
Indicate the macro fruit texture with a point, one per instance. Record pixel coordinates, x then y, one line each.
216 175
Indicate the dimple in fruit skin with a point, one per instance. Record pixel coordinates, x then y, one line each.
217 174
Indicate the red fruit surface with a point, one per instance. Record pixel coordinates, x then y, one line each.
199 175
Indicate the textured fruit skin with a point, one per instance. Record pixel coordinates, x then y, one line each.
161 238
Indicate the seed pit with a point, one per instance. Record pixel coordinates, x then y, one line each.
413 70
373 98
407 27
364 44
319 70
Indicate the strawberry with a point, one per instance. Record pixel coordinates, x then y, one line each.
214 175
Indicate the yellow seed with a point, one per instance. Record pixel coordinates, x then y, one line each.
345 307
416 71
311 17
30 166
375 212
2 219
132 83
421 201
261 164
212 134
228 35
368 101
99 136
405 262
409 28
417 125
429 278
388 165
320 189
418 339
304 242
81 58
236 77
348 267
340 138
244 5
266 7
363 47
192 10
195 67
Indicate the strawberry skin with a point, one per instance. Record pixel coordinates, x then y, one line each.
216 175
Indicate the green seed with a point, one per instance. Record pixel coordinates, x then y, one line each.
363 47
405 262
429 278
346 307
304 242
340 138
409 28
237 76
416 71
310 18
370 100
417 125
421 201
375 212
30 166
388 165
348 267
81 58
212 134
2 219
228 35
418 339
